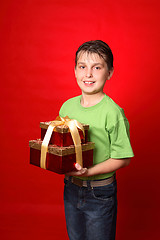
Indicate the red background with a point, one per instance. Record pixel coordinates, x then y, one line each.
38 40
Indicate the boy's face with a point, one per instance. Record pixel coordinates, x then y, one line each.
91 73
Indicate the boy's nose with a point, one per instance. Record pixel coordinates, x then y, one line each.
89 73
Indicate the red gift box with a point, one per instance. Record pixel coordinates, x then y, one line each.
60 159
61 135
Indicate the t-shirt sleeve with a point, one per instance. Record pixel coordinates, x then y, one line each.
62 111
65 108
120 146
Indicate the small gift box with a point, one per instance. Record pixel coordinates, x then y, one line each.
60 159
61 135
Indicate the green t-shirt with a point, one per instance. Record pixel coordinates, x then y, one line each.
108 129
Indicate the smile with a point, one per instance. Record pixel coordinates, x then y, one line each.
87 82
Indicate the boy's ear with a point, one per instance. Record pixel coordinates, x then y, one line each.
75 72
111 71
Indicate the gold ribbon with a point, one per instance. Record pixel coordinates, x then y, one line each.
73 127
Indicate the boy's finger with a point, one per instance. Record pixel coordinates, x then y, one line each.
78 167
83 170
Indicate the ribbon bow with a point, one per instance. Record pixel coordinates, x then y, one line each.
73 127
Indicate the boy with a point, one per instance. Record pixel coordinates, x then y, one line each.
90 195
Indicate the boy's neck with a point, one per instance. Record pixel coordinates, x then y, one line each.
91 100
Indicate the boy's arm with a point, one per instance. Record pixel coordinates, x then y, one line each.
107 166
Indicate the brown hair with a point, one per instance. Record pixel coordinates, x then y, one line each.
99 47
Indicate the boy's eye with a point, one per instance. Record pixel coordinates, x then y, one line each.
82 67
97 68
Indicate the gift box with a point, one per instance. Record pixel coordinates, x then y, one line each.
60 159
61 135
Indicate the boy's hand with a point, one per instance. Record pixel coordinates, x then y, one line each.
80 171
107 166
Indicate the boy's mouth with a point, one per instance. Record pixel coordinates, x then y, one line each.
89 82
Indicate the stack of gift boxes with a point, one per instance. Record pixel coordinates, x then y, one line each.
61 154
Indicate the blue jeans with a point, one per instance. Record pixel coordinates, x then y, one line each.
90 212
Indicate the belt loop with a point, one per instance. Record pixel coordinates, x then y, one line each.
70 178
88 184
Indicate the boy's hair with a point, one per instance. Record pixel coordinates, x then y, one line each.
99 47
